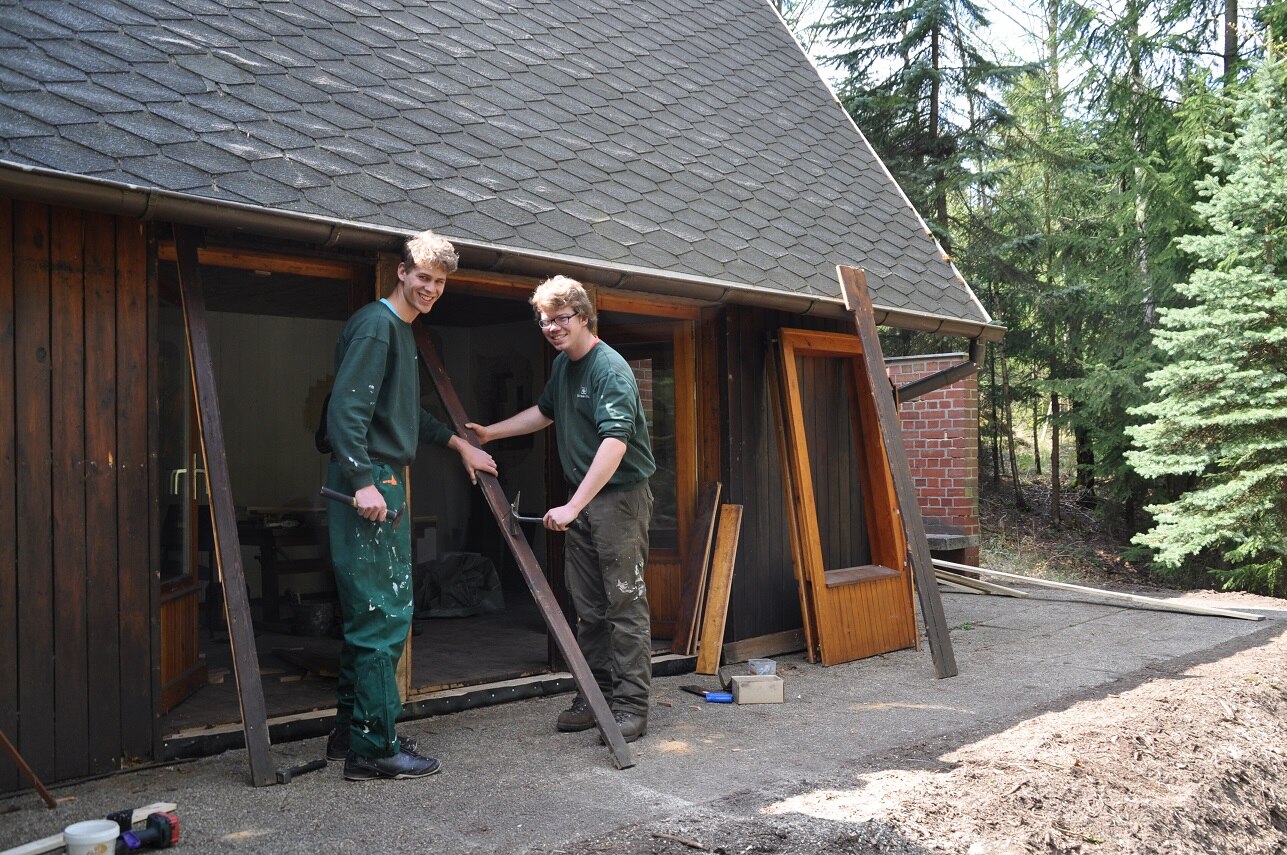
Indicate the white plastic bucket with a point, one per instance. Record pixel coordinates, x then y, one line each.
92 837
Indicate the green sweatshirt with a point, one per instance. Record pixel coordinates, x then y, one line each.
589 400
375 403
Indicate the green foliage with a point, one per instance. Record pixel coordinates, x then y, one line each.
1219 408
916 80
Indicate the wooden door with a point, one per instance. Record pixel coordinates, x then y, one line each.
185 520
661 354
851 551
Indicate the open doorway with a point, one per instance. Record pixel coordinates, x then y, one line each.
272 328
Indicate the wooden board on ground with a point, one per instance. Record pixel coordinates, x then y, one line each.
721 585
695 563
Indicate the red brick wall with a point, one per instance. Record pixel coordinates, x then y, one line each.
941 435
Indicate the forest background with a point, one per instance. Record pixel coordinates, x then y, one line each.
1111 178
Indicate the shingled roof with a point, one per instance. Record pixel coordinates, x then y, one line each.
691 143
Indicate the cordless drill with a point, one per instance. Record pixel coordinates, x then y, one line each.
160 831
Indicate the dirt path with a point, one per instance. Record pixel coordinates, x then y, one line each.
1193 761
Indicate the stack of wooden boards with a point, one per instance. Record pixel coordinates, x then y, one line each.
708 579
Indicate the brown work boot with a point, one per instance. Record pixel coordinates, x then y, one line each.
576 717
632 725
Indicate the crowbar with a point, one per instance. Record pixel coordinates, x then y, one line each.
515 518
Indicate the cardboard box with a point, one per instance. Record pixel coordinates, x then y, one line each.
757 689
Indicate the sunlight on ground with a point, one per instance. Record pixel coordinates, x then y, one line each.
876 796
248 834
673 746
898 706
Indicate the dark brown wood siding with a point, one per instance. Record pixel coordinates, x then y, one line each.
764 598
76 589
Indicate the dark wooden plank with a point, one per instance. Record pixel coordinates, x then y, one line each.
808 618
695 560
67 322
721 586
853 286
100 492
139 668
8 499
709 391
763 646
36 738
254 717
527 564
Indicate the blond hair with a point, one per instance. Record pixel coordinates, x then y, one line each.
564 292
427 249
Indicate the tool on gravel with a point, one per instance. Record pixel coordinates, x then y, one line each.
515 518
286 773
160 831
351 501
710 697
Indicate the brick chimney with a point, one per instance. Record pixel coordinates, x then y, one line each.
941 435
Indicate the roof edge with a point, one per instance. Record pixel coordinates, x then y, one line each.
149 204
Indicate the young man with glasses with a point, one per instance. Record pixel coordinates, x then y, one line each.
592 400
373 424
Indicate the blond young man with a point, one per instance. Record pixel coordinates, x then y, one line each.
374 425
593 402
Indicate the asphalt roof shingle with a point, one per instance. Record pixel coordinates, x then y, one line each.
692 138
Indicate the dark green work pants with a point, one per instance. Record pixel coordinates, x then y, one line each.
373 575
607 548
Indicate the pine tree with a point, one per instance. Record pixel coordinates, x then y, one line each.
1219 410
916 80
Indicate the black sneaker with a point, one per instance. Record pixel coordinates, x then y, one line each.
337 743
576 717
404 764
632 725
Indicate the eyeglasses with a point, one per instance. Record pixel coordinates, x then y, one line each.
561 320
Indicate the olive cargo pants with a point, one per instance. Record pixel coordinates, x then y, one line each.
607 548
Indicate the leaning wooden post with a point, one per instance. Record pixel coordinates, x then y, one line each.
241 634
522 551
853 287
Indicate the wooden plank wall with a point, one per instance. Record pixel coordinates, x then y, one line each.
765 598
76 590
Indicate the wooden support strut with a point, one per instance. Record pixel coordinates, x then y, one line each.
853 287
241 634
522 552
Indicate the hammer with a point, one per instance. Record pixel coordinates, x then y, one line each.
285 773
351 501
515 519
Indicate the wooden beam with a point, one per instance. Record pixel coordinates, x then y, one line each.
241 634
527 563
853 286
246 259
721 585
1151 602
694 563
974 586
763 646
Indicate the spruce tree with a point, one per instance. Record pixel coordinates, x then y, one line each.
1219 409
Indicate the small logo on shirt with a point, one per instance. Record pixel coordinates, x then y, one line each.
583 393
